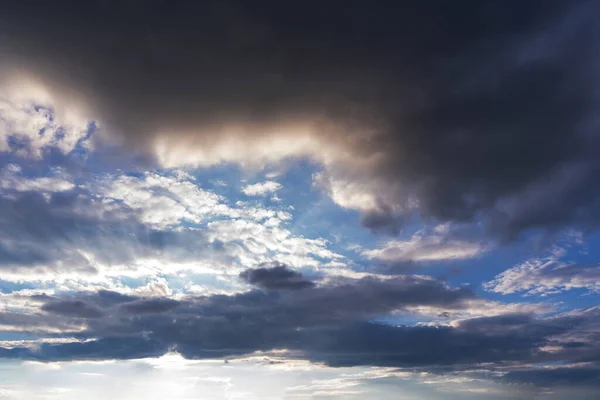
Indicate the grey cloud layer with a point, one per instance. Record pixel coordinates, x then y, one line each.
339 334
462 110
222 325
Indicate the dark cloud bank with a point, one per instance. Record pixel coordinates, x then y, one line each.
478 109
326 323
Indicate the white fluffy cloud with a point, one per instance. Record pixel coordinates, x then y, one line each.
162 201
261 188
29 123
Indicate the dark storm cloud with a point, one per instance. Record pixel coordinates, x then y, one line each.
336 333
329 304
384 345
277 277
557 376
381 220
110 348
72 308
482 108
150 306
35 324
501 339
328 323
252 320
86 306
331 323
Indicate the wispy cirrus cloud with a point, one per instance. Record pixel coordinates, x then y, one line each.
546 276
437 245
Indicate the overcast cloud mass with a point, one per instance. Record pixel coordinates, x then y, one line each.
388 199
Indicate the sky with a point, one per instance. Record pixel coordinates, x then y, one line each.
301 199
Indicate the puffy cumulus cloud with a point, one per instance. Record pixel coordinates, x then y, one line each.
545 276
261 188
30 125
440 244
478 110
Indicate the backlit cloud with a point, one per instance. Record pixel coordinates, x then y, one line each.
199 198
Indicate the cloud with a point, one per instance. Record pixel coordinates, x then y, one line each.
277 277
475 120
348 193
58 228
426 247
405 119
235 324
12 179
72 308
261 188
477 307
150 306
37 231
30 126
381 220
545 276
330 323
336 342
581 377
